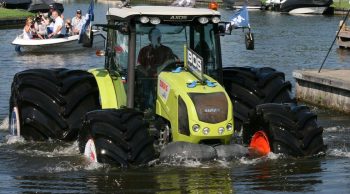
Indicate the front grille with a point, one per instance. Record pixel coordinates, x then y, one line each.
211 107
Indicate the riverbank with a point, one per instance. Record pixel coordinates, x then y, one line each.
12 17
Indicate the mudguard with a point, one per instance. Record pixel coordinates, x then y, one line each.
185 103
111 89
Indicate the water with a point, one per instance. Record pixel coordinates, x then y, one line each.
282 41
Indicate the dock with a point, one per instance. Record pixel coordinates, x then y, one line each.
330 88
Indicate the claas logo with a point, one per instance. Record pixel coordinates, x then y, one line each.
163 85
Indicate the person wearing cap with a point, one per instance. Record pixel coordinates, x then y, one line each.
150 59
77 22
51 9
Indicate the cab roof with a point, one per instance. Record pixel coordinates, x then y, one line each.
129 12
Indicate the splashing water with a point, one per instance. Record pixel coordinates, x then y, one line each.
11 139
270 156
335 129
4 124
339 153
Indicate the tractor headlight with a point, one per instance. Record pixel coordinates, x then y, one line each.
144 19
196 127
221 130
154 20
206 131
229 127
203 20
215 20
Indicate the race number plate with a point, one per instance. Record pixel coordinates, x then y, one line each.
194 63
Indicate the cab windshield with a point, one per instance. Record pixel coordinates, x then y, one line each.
162 44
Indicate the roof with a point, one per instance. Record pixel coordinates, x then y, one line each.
126 12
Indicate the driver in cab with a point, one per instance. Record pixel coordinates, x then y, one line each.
151 59
154 55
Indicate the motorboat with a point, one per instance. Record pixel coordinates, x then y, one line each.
306 6
343 37
52 45
43 6
273 5
16 4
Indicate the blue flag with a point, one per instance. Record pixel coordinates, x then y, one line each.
86 29
241 18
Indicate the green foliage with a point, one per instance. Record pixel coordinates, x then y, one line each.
14 14
341 4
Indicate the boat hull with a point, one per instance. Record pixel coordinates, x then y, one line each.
55 45
309 10
305 6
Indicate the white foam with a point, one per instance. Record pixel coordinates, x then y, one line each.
67 151
270 156
335 129
10 139
63 166
339 152
93 165
4 124
59 151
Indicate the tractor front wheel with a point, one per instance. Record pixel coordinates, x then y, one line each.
116 136
49 103
284 128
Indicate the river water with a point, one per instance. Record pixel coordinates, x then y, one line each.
284 42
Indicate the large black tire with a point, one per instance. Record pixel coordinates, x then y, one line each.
249 87
50 103
120 136
291 129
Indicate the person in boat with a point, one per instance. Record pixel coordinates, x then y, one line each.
77 22
27 30
68 26
150 58
40 27
58 26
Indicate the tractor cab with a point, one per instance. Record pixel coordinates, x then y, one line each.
148 42
151 48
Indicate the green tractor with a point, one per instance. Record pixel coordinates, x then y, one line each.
163 91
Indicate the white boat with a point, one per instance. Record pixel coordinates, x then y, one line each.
66 44
306 6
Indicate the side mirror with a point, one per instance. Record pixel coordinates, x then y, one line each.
225 28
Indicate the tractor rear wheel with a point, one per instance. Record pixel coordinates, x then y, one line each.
116 136
249 87
49 103
289 129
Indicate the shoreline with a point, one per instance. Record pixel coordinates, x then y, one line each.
13 17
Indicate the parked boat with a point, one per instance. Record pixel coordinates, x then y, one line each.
70 43
343 38
273 5
307 6
16 4
43 6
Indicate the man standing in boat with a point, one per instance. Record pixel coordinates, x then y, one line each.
77 22
57 28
